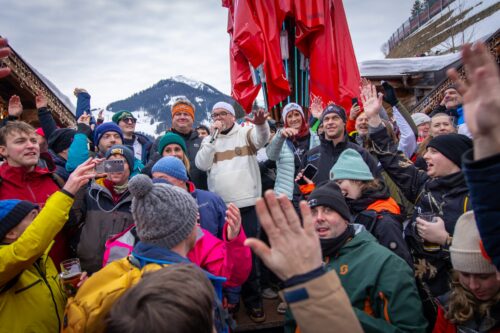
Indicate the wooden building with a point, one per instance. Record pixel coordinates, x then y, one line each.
25 81
420 82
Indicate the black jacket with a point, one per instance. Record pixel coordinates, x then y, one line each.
193 144
326 155
446 196
384 223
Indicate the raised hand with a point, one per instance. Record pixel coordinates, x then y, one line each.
4 52
78 91
372 103
15 107
41 101
354 112
80 176
259 118
316 107
294 250
481 98
233 220
84 119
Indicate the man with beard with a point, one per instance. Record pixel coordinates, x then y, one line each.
379 284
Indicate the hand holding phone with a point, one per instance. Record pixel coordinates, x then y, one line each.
305 176
110 166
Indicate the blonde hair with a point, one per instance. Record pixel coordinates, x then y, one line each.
464 306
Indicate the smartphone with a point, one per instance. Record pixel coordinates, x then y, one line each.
354 100
309 172
110 166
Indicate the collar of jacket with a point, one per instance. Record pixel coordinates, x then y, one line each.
154 254
368 198
361 236
330 145
19 174
187 137
98 186
453 183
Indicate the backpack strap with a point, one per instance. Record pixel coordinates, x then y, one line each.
367 218
467 205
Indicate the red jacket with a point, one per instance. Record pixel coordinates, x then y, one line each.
444 326
35 186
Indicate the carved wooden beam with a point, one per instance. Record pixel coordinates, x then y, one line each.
27 79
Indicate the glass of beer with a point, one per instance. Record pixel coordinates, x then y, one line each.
428 246
70 275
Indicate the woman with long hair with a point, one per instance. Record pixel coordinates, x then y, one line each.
472 304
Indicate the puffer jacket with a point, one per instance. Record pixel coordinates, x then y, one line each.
279 150
101 218
29 281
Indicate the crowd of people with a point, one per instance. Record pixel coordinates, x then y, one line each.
370 220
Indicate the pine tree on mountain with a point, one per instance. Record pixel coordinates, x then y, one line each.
417 7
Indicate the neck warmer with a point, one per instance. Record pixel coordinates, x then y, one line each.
331 246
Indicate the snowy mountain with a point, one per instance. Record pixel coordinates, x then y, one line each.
152 107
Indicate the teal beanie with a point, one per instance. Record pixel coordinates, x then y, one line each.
350 165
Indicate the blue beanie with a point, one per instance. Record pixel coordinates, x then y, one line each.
125 152
104 128
350 165
12 212
171 166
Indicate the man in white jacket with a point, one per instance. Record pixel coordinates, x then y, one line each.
229 155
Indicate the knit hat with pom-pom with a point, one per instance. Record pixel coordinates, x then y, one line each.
165 215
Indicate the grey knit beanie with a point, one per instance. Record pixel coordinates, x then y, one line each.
165 215
465 249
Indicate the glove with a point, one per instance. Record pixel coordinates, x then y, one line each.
389 94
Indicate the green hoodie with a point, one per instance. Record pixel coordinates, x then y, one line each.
380 286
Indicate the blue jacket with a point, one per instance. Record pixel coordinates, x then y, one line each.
83 105
483 180
79 152
279 150
212 210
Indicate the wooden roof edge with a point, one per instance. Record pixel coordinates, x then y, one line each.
29 79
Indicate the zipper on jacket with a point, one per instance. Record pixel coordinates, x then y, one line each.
44 277
27 287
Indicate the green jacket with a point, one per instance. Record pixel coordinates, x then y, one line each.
380 286
31 299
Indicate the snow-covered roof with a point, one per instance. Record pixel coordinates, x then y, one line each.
62 97
402 66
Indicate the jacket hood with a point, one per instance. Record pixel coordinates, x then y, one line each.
361 237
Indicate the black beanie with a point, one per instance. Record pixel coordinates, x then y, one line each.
337 109
12 212
331 196
453 146
61 139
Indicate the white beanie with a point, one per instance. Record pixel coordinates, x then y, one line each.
226 106
291 107
465 250
420 118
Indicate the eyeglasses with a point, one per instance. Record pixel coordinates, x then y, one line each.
220 114
129 120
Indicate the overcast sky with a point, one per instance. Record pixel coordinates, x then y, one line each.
117 48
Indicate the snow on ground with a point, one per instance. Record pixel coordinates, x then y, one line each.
190 82
477 31
143 121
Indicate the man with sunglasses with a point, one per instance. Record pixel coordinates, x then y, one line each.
137 142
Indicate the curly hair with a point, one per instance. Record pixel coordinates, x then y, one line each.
464 306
